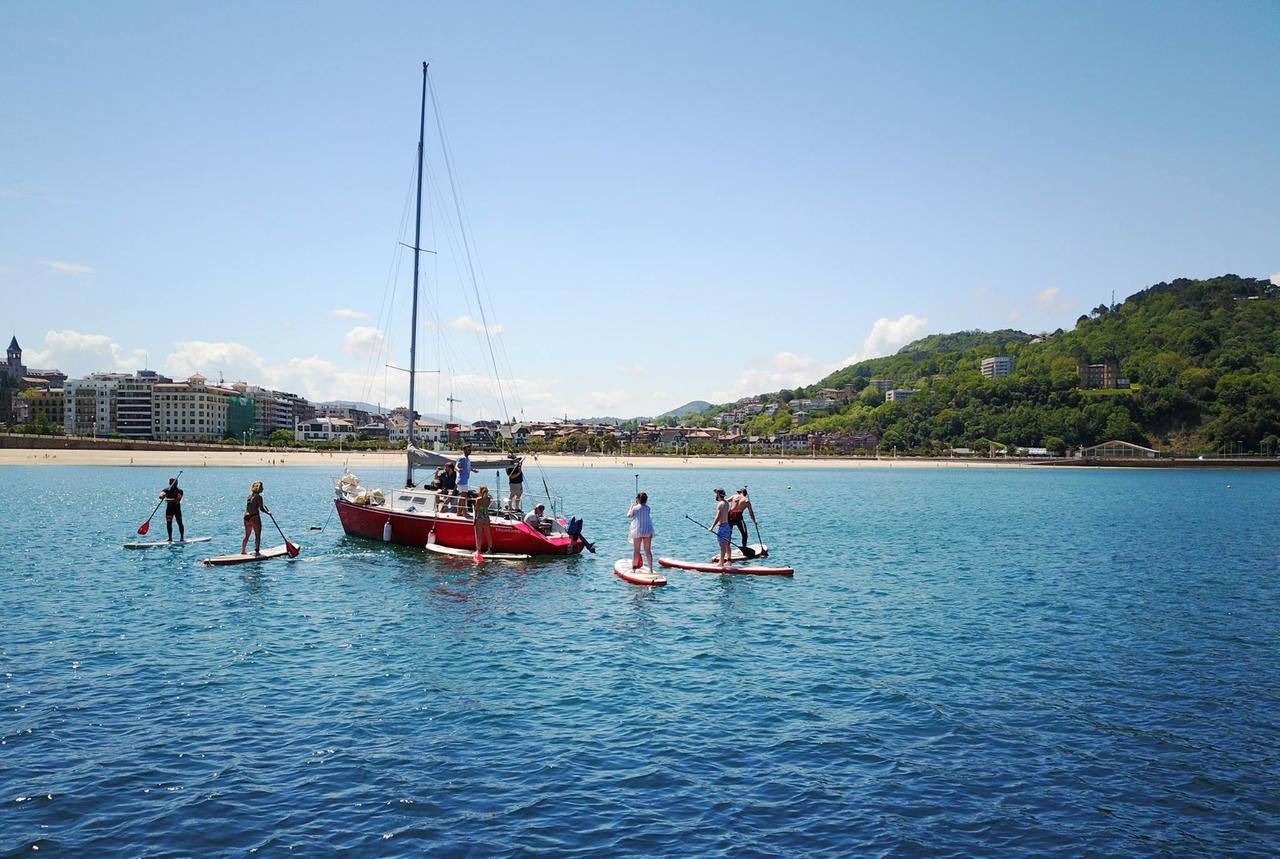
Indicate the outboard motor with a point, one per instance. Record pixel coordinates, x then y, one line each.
574 529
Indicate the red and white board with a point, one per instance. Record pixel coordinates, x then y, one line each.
155 544
758 550
478 557
638 575
739 569
264 555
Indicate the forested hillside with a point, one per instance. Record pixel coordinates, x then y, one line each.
1202 358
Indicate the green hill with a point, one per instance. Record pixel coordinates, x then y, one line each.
1202 358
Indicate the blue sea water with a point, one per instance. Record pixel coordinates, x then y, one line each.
967 662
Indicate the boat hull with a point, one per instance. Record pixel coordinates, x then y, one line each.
414 529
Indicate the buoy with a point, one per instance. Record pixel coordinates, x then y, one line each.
386 532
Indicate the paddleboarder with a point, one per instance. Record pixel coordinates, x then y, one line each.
641 530
254 507
464 479
172 496
738 504
722 529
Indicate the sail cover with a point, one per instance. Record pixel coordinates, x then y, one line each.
420 458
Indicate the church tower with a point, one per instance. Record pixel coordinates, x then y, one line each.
14 367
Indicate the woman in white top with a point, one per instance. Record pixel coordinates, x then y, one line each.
641 530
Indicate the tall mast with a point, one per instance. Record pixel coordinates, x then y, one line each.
417 258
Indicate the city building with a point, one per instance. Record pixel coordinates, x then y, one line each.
89 404
998 366
1103 375
13 369
898 395
325 429
1117 450
134 414
197 411
39 406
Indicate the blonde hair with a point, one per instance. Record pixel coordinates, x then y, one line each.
256 486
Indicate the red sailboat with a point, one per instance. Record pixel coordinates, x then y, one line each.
419 515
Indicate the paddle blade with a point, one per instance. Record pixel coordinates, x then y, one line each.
747 552
144 527
291 550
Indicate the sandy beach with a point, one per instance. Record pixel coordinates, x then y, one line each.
395 459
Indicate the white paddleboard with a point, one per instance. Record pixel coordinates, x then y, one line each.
152 544
637 575
228 560
471 553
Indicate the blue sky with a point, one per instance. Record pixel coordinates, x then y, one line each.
668 201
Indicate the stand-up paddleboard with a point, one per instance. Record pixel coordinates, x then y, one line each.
151 544
472 554
638 576
744 570
735 554
228 560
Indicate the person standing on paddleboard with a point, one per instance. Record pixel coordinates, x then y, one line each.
172 496
738 504
641 530
722 529
254 507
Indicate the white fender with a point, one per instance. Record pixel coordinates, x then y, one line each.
386 532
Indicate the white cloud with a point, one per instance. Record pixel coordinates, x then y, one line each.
1014 314
466 323
888 336
75 354
67 267
785 370
364 340
231 361
631 370
348 313
1051 299
1275 278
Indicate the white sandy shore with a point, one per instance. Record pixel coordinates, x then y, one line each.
394 459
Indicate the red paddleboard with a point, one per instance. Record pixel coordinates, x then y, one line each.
739 569
638 576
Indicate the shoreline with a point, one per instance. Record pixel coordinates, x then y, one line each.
395 459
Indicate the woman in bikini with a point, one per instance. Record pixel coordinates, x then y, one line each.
254 507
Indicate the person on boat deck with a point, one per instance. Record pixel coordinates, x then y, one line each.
739 503
448 486
435 479
464 478
481 523
515 477
641 530
534 517
172 496
254 507
722 529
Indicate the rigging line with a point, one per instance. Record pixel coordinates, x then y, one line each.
386 306
448 162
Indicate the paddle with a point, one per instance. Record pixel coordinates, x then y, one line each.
747 551
146 526
289 548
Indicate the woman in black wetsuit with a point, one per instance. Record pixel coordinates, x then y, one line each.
173 509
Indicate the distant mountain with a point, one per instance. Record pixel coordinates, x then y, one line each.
1186 365
690 408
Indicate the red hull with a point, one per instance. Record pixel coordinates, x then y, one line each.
410 529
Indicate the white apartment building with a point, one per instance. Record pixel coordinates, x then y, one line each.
89 404
134 412
1000 365
325 429
425 433
190 411
899 395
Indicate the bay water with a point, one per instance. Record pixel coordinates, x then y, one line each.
967 662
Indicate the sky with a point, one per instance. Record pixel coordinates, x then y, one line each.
664 201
